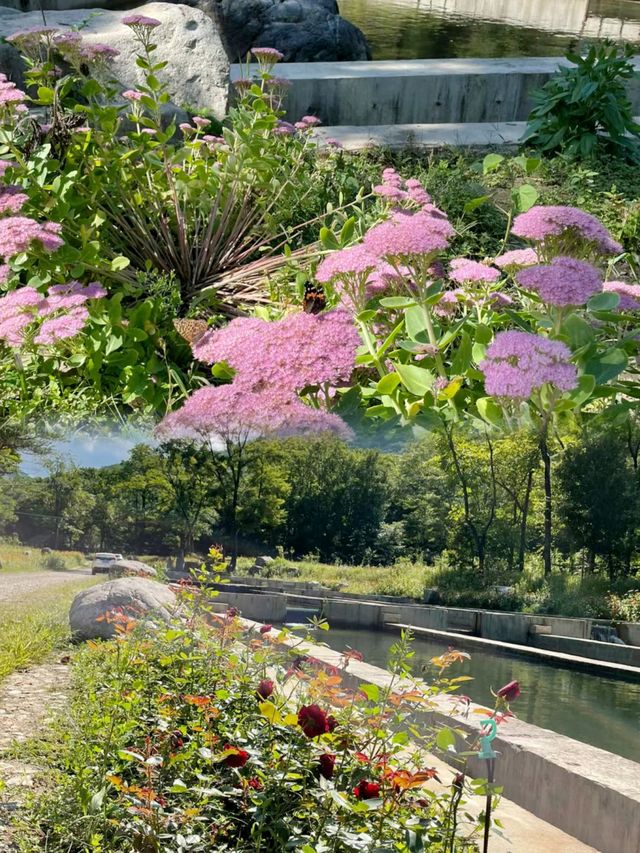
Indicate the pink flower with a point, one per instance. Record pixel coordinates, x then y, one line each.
310 121
629 294
12 199
519 363
233 413
132 95
390 191
201 122
565 281
541 223
140 21
462 269
449 302
98 52
67 325
17 233
267 55
407 234
517 258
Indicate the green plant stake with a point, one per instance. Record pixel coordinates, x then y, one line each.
487 754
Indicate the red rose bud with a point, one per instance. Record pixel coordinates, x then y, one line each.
510 691
265 688
332 723
238 758
255 784
366 790
313 721
327 764
265 629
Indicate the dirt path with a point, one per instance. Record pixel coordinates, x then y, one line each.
28 702
22 584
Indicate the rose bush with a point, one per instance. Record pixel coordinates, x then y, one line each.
206 735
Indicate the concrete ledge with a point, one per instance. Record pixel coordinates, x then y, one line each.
419 91
625 655
394 136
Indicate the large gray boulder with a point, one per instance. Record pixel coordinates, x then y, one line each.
197 74
94 612
131 569
303 30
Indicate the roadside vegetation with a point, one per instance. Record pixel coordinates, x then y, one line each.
35 624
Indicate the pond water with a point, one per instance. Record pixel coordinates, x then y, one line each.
425 29
604 712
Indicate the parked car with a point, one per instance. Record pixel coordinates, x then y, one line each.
102 562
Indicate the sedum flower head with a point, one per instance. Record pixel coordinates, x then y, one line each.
140 21
517 258
565 281
409 234
519 363
462 270
17 233
541 223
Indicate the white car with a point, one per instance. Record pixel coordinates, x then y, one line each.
102 562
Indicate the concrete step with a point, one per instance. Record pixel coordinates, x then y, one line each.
482 134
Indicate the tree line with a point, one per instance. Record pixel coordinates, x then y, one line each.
476 499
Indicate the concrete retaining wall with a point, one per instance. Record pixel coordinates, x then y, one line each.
420 91
626 655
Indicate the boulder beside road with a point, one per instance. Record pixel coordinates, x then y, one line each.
94 612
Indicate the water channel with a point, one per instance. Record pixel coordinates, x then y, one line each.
426 29
604 712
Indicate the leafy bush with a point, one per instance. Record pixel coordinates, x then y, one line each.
625 608
174 222
54 563
586 105
204 737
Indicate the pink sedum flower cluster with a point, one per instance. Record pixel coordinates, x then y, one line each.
463 270
542 223
10 96
273 361
565 281
47 319
517 258
519 363
17 233
408 234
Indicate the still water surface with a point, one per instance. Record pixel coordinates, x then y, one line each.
424 29
604 712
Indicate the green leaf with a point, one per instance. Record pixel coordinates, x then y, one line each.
524 197
417 380
473 203
607 366
371 691
604 301
119 263
346 234
397 302
579 333
444 739
328 239
388 383
490 411
491 162
415 324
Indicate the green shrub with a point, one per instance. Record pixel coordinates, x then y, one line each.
586 105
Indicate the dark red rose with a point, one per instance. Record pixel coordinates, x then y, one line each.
265 629
332 723
238 758
313 720
327 764
366 790
265 688
510 691
458 781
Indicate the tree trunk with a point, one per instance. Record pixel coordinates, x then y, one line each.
548 504
524 519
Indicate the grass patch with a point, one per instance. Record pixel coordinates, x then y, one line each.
21 558
33 626
404 579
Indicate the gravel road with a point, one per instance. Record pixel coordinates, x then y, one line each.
21 584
